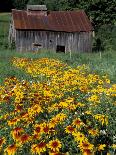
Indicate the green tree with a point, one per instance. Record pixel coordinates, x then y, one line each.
36 2
19 4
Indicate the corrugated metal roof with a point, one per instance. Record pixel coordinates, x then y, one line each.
67 21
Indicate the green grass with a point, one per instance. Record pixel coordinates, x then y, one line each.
4 29
104 64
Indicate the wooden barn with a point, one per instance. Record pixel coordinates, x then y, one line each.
60 31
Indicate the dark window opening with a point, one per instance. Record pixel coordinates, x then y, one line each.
60 48
37 45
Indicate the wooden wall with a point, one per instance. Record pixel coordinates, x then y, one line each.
78 41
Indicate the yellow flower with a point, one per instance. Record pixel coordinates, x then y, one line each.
107 81
108 153
93 132
77 122
69 129
101 118
54 145
88 112
13 122
11 150
114 146
94 98
25 138
87 152
85 145
101 147
78 104
63 104
16 133
38 148
79 137
35 109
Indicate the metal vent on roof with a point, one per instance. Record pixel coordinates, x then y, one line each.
37 7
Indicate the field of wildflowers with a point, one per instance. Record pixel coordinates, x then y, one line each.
61 111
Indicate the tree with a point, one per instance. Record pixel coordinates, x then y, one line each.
19 4
36 2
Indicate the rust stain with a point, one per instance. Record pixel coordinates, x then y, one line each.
66 21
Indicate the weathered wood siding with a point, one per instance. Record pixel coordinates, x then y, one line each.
78 41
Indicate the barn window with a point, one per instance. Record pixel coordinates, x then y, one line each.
60 48
36 46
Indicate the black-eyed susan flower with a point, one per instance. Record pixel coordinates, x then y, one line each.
101 118
16 133
77 122
93 132
54 145
53 122
85 145
13 122
38 148
87 152
69 129
25 138
38 129
79 137
45 128
94 98
11 150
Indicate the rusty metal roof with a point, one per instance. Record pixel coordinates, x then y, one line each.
67 21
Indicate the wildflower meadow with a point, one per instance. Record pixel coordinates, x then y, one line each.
62 110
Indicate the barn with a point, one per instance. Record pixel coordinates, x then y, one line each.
62 31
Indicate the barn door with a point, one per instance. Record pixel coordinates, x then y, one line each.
60 48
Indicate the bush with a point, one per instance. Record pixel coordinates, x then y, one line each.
105 38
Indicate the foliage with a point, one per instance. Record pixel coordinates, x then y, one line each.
19 4
35 2
66 111
52 4
107 36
